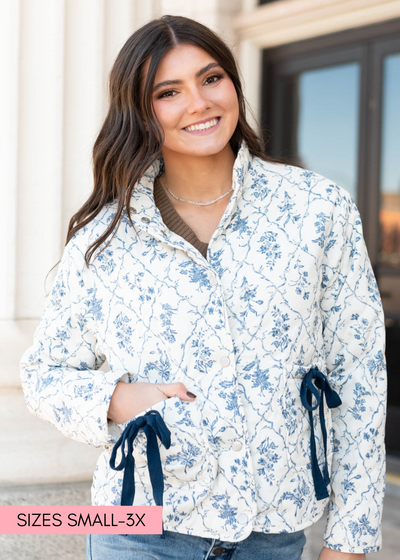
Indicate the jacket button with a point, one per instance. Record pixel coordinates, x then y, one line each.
133 210
236 446
213 281
242 518
218 551
225 361
146 220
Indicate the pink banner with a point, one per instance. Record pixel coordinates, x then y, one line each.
80 520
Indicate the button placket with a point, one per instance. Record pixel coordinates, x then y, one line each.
213 281
145 220
163 236
225 361
236 446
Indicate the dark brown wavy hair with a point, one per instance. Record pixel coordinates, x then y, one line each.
131 137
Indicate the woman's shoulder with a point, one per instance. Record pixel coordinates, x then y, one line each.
82 239
301 183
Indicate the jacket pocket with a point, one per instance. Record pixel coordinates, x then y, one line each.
298 429
187 466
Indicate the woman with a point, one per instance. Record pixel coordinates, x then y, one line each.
234 300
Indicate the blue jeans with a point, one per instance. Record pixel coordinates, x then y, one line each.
176 546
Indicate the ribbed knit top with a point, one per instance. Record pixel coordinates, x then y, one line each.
173 221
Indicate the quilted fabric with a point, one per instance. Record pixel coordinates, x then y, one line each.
287 286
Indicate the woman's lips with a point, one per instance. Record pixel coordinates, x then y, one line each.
205 131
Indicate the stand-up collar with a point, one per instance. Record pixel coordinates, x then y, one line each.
142 201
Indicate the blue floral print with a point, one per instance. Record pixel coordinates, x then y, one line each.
287 286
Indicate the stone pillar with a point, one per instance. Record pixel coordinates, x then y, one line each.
84 93
9 46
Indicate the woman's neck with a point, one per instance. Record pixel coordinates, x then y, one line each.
199 178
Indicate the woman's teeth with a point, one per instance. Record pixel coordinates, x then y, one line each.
202 126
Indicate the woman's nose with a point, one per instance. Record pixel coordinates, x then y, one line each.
197 102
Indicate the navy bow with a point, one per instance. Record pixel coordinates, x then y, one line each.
307 390
153 425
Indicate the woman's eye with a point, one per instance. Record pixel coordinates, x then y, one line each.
214 78
168 93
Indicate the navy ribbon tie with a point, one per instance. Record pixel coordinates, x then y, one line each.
153 426
319 388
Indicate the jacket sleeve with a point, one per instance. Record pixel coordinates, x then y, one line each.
354 344
60 374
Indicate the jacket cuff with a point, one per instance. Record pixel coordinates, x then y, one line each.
108 432
354 532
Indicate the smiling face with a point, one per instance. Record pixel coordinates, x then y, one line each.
195 101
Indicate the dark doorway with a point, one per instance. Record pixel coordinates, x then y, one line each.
332 105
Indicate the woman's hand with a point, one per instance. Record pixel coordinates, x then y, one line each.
130 399
328 554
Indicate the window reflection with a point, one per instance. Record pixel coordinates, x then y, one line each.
390 164
321 121
327 131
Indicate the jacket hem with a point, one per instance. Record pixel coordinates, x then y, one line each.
352 549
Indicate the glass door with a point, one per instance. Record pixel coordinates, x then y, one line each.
386 125
317 114
389 183
321 128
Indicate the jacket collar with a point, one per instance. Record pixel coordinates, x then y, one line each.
144 212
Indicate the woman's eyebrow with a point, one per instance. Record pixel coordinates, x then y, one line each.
207 68
198 74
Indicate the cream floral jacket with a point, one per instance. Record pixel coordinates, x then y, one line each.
279 333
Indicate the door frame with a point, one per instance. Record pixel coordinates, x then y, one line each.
379 50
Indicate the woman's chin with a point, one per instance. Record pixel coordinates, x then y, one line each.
199 147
